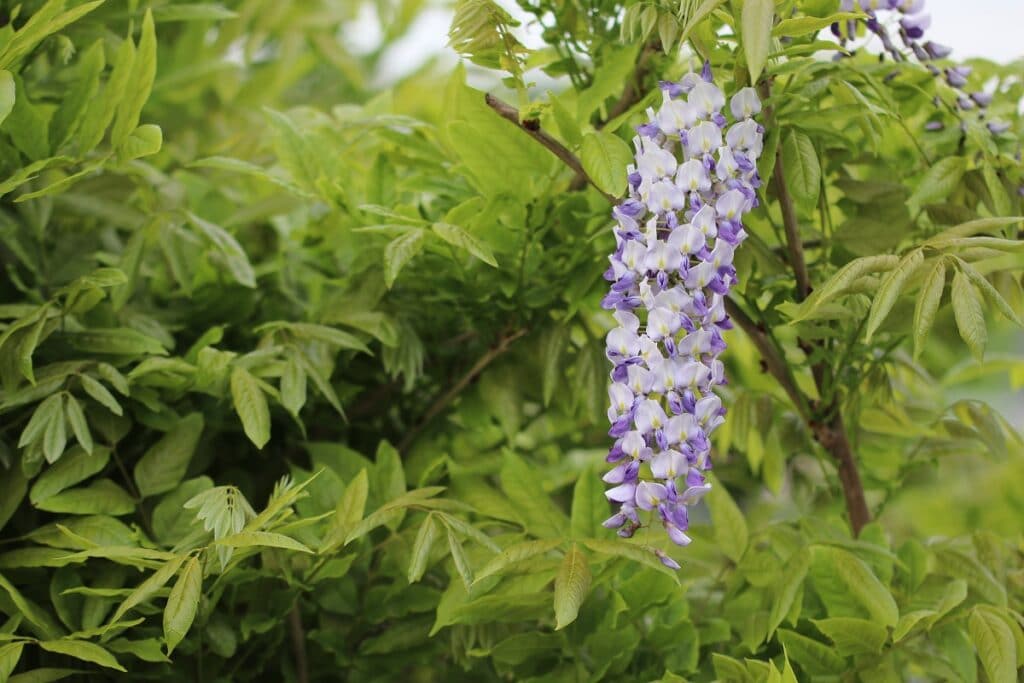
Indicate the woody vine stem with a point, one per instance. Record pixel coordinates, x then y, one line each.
823 418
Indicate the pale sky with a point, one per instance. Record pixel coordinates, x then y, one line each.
978 28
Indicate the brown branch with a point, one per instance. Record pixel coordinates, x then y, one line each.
774 363
532 128
792 226
441 402
831 434
298 636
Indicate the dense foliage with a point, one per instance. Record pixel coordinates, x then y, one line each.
303 377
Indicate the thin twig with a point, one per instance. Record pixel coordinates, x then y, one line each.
532 128
442 401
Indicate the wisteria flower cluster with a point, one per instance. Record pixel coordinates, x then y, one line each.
913 22
695 177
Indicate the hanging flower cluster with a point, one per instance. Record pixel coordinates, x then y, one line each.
695 177
913 22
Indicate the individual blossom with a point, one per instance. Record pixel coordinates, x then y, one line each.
694 179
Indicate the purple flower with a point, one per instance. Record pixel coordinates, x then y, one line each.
694 179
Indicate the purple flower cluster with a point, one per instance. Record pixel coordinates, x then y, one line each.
913 22
695 177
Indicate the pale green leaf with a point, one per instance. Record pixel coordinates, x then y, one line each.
399 252
729 524
890 290
458 237
251 405
83 650
938 182
571 586
970 318
182 604
756 30
928 304
995 644
163 465
802 170
421 547
604 157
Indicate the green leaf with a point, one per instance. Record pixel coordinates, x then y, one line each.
801 26
250 539
142 77
552 348
890 289
42 622
13 485
703 10
44 22
816 658
634 552
589 506
7 94
9 656
100 394
399 252
144 141
352 504
521 484
83 650
928 304
457 237
756 30
571 586
460 560
604 157
50 410
165 463
195 11
293 385
75 467
849 588
802 170
841 283
231 252
148 588
44 675
421 547
79 425
995 643
729 524
68 117
102 497
102 109
970 318
853 636
982 284
251 406
120 341
785 596
519 552
182 604
937 184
